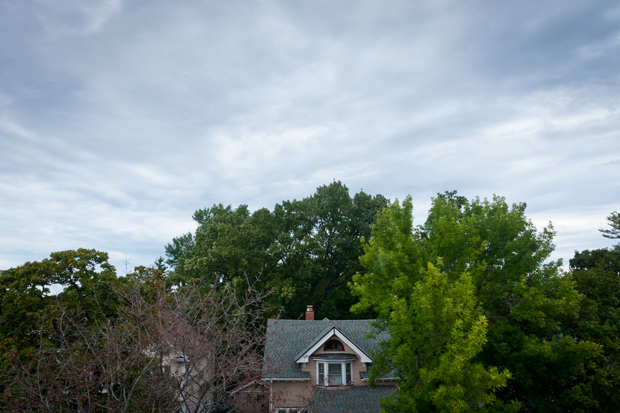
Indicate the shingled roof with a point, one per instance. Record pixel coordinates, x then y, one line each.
287 339
360 399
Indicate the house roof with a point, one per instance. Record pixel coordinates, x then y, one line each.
246 383
288 339
364 399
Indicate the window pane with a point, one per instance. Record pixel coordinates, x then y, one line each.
335 374
335 368
349 378
321 380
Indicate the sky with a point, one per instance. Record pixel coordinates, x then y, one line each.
118 119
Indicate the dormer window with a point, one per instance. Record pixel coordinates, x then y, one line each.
333 345
334 374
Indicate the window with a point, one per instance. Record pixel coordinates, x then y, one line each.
337 373
333 345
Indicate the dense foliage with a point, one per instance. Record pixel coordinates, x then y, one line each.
305 251
597 276
530 305
85 277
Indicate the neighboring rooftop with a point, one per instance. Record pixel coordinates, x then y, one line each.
365 399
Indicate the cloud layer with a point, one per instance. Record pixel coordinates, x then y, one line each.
119 119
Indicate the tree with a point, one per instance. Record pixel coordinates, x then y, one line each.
435 336
596 274
304 251
614 223
527 301
86 278
160 264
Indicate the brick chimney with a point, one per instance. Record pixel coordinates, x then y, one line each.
309 313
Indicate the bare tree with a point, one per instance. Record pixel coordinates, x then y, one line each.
159 352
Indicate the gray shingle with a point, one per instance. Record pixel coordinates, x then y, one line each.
358 399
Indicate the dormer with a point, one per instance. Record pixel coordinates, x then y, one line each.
337 338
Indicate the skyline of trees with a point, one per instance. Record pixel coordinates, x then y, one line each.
479 318
304 251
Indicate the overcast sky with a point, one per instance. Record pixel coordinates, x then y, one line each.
118 119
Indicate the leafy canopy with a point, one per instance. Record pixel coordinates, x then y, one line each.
305 251
527 301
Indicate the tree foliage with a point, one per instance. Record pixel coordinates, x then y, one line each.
614 222
436 334
527 301
85 277
597 274
304 251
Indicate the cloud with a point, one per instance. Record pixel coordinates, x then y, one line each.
75 17
118 120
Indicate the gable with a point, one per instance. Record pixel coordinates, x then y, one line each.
322 339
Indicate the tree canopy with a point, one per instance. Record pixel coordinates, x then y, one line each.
304 251
84 276
528 302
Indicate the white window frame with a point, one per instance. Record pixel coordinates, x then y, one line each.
326 364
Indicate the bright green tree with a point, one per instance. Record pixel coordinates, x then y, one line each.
436 334
527 301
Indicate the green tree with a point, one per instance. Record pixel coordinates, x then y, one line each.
527 301
305 251
25 293
436 335
614 223
596 274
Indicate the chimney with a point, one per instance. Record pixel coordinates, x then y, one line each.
309 313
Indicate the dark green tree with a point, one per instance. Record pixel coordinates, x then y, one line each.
304 251
597 276
160 264
25 296
614 222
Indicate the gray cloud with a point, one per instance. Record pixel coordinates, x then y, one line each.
119 119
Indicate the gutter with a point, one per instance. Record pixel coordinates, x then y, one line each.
271 380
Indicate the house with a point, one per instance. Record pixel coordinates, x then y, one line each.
322 366
192 373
